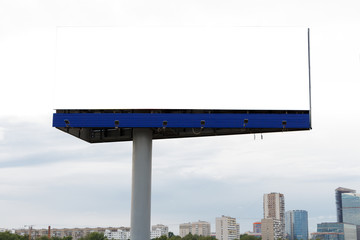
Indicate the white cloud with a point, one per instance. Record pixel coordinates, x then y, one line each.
2 134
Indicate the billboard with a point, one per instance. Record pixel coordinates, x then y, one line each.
180 67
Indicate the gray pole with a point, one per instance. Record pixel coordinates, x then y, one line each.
141 184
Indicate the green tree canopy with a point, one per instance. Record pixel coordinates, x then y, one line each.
94 236
43 238
12 236
187 237
163 237
174 237
248 237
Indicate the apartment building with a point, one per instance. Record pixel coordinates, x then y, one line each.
201 228
227 228
159 230
75 233
118 234
274 208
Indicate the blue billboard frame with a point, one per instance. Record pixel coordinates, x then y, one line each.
97 126
181 120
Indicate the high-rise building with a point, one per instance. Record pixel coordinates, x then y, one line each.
348 207
257 227
351 208
271 229
296 225
267 229
227 228
200 228
256 230
338 197
335 231
274 208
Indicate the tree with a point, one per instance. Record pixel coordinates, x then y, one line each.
197 237
11 236
163 237
206 238
42 238
174 237
55 238
189 237
248 237
94 236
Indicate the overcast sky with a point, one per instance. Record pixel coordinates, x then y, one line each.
50 178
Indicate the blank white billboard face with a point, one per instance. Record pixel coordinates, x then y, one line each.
181 68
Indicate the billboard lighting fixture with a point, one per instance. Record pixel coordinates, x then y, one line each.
246 122
164 124
67 122
116 122
284 123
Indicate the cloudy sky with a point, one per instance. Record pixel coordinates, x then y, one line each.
50 178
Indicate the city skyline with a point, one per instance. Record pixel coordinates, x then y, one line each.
49 178
273 208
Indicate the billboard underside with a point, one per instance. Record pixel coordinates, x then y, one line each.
117 125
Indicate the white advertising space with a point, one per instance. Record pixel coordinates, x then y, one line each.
157 67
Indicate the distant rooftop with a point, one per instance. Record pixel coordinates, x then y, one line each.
345 190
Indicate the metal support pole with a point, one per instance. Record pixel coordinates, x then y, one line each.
141 184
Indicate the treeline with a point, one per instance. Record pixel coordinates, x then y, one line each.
12 236
187 237
197 237
100 236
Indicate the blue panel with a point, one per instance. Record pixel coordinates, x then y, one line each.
182 120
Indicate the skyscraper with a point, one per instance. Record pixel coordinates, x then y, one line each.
274 208
351 208
296 224
227 228
338 197
348 207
